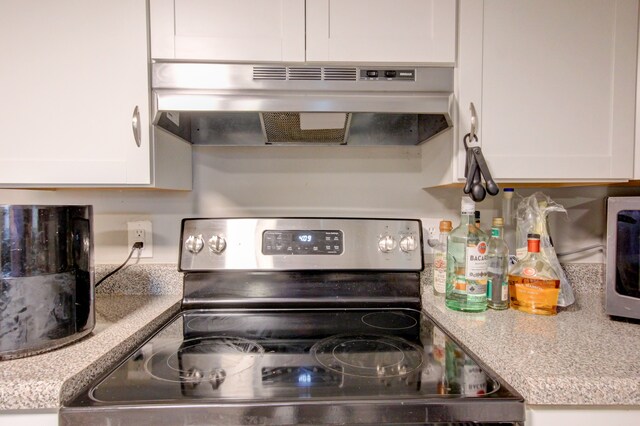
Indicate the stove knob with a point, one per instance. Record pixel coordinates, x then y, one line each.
387 243
217 244
216 377
194 243
193 377
408 244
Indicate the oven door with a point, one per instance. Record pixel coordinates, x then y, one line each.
623 257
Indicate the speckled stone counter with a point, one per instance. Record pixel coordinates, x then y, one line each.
156 279
578 357
122 322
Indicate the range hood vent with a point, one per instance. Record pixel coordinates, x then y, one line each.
242 104
286 128
269 73
304 73
340 74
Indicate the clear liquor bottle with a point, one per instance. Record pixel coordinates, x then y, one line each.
498 258
440 259
467 263
533 284
509 228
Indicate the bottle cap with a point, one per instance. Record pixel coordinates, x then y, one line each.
533 243
467 206
507 193
446 226
497 221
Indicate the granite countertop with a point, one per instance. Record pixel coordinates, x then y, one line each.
578 357
123 321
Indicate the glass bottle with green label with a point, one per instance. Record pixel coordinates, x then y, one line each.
467 263
498 264
509 227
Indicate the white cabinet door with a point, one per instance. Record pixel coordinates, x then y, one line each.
563 415
71 75
413 31
554 84
224 30
636 168
29 418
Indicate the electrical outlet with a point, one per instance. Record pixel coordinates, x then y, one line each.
430 231
140 231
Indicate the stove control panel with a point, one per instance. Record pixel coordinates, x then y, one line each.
404 74
273 244
306 242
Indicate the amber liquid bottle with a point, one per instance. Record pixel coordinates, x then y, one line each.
533 284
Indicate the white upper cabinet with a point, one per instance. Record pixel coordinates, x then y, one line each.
409 31
636 169
554 84
75 95
223 30
72 75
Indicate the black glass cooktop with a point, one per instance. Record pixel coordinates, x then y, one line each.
295 355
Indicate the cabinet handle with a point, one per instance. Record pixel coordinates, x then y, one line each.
474 122
135 125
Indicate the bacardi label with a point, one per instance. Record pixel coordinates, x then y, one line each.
476 262
476 268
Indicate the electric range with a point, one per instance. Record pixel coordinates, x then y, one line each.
290 321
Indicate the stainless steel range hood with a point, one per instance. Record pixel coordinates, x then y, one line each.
241 104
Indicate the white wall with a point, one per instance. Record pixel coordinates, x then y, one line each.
301 181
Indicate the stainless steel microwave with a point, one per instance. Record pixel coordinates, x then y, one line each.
622 294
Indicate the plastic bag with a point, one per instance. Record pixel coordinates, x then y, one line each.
531 217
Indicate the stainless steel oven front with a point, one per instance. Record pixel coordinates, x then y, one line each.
622 296
298 321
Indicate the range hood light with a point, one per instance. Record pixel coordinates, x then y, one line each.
322 120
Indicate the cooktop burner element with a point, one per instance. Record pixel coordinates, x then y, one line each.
389 320
368 355
206 325
298 321
224 356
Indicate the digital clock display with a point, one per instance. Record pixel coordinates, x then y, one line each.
305 238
